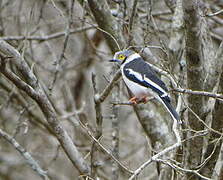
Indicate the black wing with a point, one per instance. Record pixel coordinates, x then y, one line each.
141 72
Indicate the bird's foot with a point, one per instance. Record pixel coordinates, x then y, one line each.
134 100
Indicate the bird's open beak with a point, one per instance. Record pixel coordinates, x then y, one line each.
114 60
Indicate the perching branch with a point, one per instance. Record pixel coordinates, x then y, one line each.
198 93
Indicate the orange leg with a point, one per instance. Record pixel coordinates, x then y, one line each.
133 100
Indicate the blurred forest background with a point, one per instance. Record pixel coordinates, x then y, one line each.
62 112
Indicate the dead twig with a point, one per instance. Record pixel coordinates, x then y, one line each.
104 149
214 14
48 37
174 166
154 158
66 38
33 89
199 93
27 156
107 90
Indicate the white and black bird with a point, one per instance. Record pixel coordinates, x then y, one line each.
142 80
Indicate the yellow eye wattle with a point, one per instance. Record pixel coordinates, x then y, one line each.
121 57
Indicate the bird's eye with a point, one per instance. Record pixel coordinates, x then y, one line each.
121 57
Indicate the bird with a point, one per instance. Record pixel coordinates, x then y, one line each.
143 81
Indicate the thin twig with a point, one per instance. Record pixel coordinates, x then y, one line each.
209 128
109 87
131 20
181 90
200 93
215 14
57 8
154 158
109 34
104 149
35 91
48 37
66 38
27 156
174 166
213 151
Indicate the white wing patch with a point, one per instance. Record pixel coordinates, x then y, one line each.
156 86
136 74
144 78
138 90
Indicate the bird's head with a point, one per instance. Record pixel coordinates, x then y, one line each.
122 56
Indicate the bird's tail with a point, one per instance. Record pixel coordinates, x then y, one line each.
170 109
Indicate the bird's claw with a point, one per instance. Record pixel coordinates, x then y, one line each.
135 100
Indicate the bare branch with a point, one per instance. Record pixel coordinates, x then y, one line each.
131 20
66 38
199 93
215 14
154 158
174 166
48 37
209 128
27 156
107 23
35 91
104 149
109 87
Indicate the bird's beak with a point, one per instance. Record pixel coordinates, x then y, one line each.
114 60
